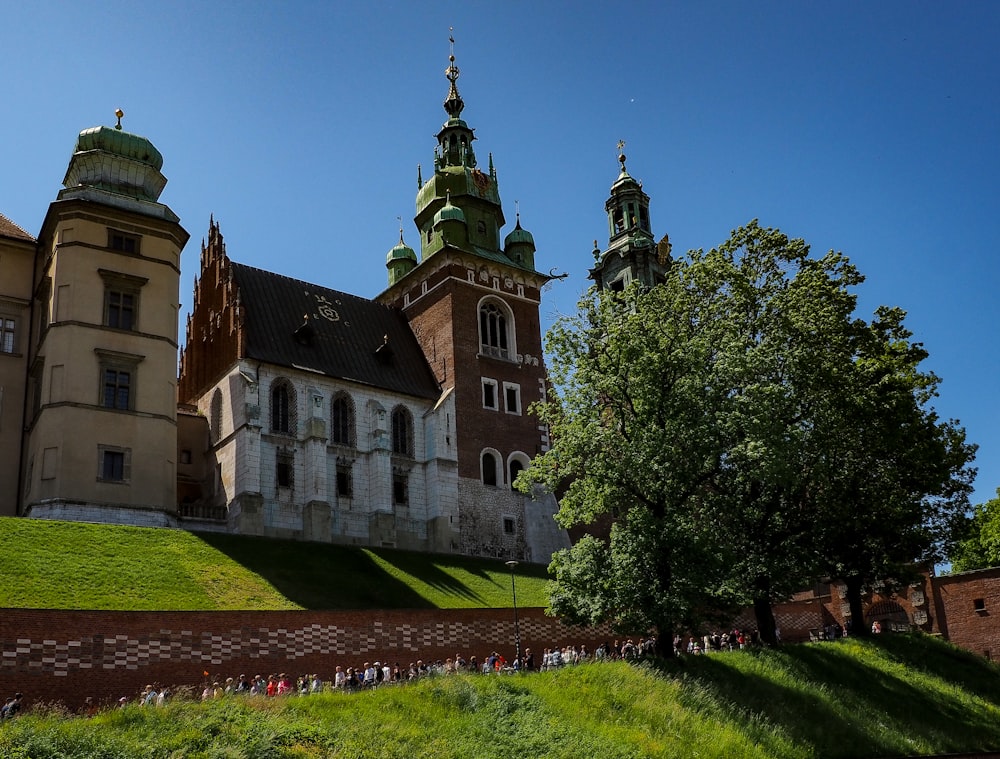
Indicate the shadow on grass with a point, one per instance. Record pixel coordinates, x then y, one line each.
826 698
951 664
422 567
428 568
318 576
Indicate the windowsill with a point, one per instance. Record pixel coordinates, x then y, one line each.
505 359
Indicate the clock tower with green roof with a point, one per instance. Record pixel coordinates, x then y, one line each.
473 301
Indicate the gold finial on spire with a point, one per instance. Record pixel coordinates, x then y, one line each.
452 71
621 154
453 103
119 113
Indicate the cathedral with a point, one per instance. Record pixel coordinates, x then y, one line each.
298 411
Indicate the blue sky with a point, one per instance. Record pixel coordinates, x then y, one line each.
871 128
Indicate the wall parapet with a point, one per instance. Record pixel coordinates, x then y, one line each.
62 655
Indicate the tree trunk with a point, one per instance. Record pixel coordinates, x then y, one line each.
766 625
858 626
665 642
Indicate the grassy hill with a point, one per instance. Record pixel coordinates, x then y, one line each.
70 565
895 696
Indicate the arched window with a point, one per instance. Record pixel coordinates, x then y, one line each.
516 464
215 416
282 407
495 322
489 463
342 428
402 431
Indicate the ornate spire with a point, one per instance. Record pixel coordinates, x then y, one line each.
621 156
453 104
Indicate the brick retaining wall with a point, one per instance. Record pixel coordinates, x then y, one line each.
66 656
967 604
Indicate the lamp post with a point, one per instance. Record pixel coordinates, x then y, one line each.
517 630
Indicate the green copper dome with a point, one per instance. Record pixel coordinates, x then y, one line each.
401 252
448 212
519 236
119 143
111 160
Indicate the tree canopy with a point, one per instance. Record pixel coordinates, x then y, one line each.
728 423
980 547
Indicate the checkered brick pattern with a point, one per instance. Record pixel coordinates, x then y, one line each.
41 650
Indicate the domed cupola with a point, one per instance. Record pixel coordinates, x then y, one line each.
400 261
117 162
519 246
628 206
449 223
631 254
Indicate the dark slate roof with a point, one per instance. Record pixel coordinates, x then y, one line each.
10 229
345 337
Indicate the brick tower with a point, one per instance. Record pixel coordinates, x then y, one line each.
472 301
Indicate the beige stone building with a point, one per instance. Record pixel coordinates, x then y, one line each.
100 436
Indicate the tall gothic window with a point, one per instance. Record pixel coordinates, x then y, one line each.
402 431
282 407
489 462
7 333
494 330
215 421
516 464
342 428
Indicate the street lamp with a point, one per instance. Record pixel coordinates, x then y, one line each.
517 630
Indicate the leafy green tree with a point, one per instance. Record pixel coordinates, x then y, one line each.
895 491
710 418
980 547
682 413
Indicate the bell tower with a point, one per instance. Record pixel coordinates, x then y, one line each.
472 300
631 254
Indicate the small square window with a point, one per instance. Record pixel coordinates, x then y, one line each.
113 464
508 525
126 243
185 456
979 604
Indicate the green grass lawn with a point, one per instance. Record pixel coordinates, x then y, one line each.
71 565
899 695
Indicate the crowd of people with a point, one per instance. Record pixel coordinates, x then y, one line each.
735 640
372 675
